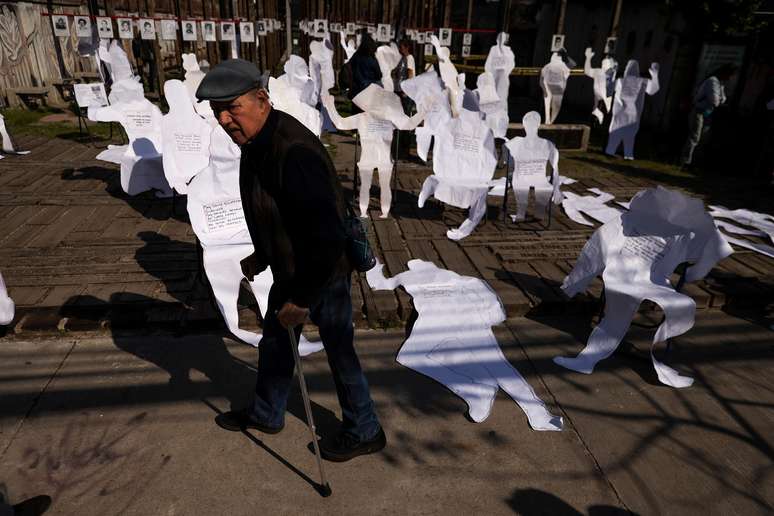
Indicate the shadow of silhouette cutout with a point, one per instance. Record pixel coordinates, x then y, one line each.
534 502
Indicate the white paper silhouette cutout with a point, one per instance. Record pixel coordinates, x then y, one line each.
349 47
530 155
215 209
760 221
382 113
8 147
126 87
294 93
489 104
141 163
426 89
452 340
500 62
7 307
636 253
553 81
297 79
449 74
600 76
388 58
321 65
463 165
594 206
763 249
630 91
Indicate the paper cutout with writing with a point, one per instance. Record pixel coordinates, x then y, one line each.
630 91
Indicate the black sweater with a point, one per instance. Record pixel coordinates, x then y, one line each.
294 209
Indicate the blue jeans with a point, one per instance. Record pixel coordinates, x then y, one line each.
333 316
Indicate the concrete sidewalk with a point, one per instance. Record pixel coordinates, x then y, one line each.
123 424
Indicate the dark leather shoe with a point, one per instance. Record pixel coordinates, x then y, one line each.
345 446
240 420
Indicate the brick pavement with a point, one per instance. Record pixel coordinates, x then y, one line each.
78 254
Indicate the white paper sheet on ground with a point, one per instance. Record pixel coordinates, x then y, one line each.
600 78
760 221
500 62
463 165
494 110
382 113
141 165
287 100
530 154
630 91
594 206
185 137
349 46
452 340
388 58
763 249
636 254
7 307
8 147
426 89
553 81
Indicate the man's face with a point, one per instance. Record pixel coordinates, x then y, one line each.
243 117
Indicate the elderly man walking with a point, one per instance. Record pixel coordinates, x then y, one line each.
295 213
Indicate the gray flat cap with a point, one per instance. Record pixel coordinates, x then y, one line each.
228 80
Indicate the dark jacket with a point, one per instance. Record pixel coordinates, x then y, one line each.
365 71
294 209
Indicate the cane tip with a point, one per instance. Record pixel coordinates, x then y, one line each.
325 490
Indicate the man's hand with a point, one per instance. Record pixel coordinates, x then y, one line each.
291 315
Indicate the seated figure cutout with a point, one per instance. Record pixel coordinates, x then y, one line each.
382 114
636 253
463 165
630 91
553 82
530 156
452 340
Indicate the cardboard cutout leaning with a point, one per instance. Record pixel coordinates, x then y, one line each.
452 340
630 91
463 165
553 81
382 113
206 161
530 155
636 253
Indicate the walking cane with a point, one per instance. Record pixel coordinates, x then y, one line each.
324 488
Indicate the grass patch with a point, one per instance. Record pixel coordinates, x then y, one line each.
23 122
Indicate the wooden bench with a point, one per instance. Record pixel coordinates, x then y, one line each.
564 136
30 97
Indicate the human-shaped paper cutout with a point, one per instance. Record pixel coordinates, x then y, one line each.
388 58
763 249
215 207
193 77
382 113
452 340
185 137
321 65
636 253
449 74
630 91
349 47
297 79
500 62
426 89
600 76
553 81
761 221
489 104
530 155
8 146
594 206
294 93
463 165
7 307
126 87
